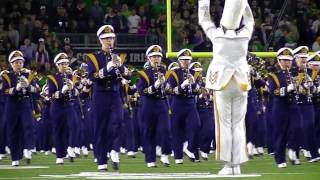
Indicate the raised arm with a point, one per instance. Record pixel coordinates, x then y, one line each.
205 21
248 20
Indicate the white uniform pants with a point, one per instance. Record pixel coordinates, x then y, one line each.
230 110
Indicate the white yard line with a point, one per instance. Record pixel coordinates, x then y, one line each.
7 167
94 175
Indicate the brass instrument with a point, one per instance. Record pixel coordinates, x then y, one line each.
290 80
307 79
189 76
160 76
67 81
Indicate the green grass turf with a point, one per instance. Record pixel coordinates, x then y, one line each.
263 165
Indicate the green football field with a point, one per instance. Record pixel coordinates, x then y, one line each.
263 167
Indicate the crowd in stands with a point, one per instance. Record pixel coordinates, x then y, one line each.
31 25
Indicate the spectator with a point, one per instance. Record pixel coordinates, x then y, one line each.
266 28
42 55
3 51
316 25
37 31
73 27
43 16
3 32
25 27
113 19
96 13
256 44
152 33
28 50
133 22
143 26
27 8
15 13
124 11
80 16
316 44
161 25
55 48
60 22
13 35
178 23
92 27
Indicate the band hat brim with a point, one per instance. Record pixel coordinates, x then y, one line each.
316 63
62 61
185 58
16 58
301 56
284 57
197 69
155 54
107 35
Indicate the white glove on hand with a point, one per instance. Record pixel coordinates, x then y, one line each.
191 79
110 66
19 86
185 83
290 88
124 81
65 88
157 83
25 82
318 89
70 84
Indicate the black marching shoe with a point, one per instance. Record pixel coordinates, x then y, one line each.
115 166
28 161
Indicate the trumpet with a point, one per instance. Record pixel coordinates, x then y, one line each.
160 77
290 80
307 79
67 81
189 76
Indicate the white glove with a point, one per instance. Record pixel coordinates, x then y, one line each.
70 84
25 82
185 83
318 89
65 88
19 86
157 83
110 65
290 88
191 79
84 81
124 81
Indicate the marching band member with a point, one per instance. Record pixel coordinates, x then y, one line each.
306 89
62 112
19 86
106 71
2 122
285 115
314 62
185 121
155 110
228 77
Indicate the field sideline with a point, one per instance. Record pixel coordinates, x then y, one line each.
260 168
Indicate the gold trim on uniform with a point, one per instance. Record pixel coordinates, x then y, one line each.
217 126
174 74
144 76
6 77
94 61
53 79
